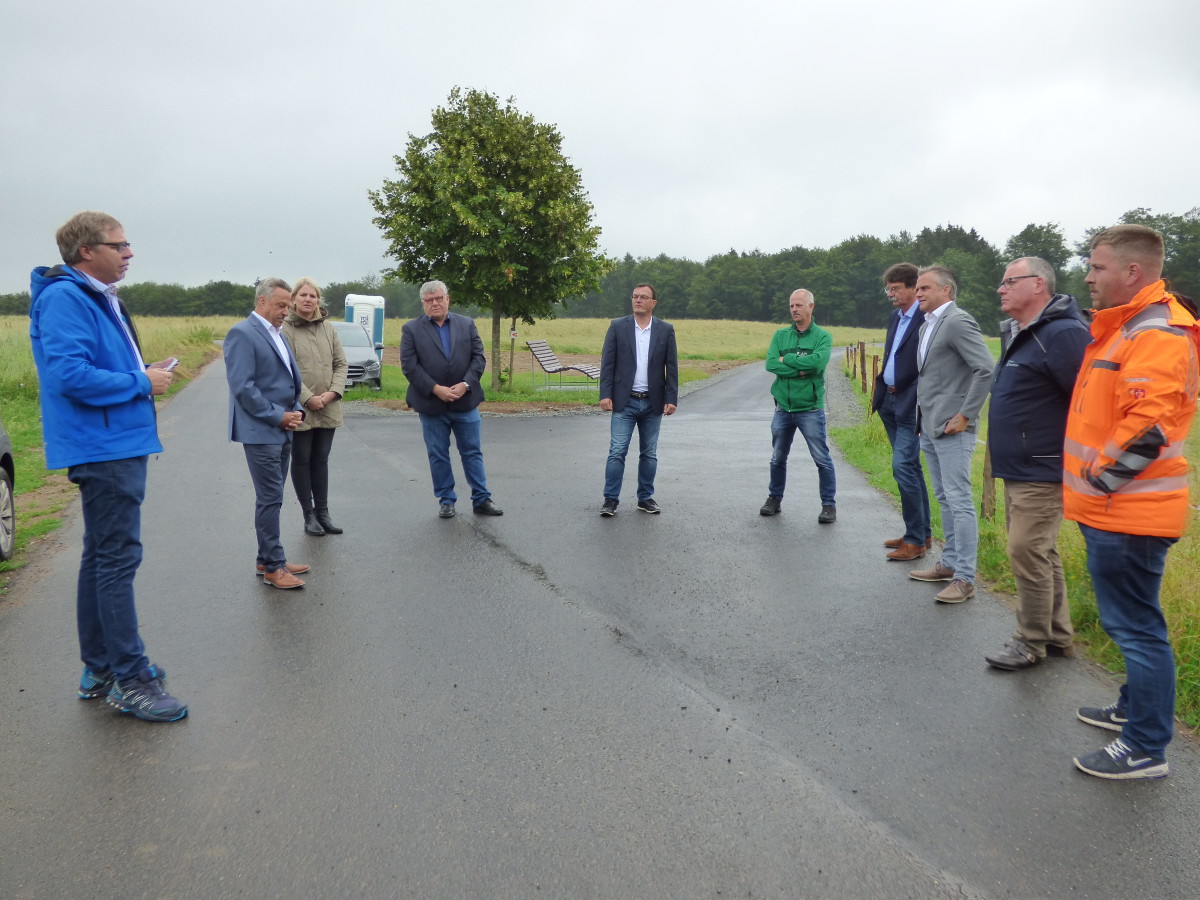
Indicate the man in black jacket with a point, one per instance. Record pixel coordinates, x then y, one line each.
895 399
441 355
1031 394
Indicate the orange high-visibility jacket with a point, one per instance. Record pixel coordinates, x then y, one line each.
1123 463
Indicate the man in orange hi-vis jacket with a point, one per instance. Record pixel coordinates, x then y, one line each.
1125 482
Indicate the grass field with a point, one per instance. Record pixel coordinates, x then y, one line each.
865 445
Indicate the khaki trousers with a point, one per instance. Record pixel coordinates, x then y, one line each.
1033 514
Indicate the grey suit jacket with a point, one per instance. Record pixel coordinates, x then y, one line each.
956 374
618 363
261 389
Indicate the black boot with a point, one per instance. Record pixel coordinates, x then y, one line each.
312 524
322 514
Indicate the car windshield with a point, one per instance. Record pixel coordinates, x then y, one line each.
353 336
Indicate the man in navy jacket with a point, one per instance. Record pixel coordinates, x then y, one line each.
1031 396
98 421
639 384
895 399
442 357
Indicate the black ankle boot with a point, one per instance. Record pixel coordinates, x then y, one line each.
322 514
312 524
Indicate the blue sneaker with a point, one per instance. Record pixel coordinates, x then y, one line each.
1118 762
97 684
143 696
1111 717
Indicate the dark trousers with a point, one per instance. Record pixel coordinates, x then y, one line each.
111 494
310 467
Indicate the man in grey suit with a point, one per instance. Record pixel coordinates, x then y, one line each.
264 410
441 355
954 373
639 384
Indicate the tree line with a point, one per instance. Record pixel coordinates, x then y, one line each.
753 286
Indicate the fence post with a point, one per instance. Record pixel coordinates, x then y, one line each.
988 500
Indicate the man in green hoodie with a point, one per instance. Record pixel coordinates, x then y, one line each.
797 358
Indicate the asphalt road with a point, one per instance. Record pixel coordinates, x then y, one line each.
702 704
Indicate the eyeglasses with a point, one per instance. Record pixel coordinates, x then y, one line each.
1012 282
887 292
119 246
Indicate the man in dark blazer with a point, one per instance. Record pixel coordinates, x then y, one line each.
442 357
639 384
954 375
264 410
895 399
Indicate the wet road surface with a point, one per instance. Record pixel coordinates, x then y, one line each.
705 703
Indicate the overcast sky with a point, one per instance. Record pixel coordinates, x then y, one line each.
239 139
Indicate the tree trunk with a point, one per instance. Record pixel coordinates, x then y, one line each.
496 313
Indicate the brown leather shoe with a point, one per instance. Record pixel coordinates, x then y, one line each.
896 542
937 573
905 552
292 568
282 579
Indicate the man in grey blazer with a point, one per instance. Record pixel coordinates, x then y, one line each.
954 374
639 384
264 410
441 355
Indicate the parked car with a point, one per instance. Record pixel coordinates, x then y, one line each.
363 366
8 511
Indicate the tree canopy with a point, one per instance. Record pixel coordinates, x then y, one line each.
488 203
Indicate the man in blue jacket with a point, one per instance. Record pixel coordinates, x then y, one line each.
1031 396
895 399
264 410
98 422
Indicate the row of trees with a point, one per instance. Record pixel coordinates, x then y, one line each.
845 279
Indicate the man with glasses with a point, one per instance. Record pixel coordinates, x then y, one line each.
1043 345
954 373
797 357
442 357
98 422
895 399
639 384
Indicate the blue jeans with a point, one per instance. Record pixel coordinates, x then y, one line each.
949 461
1126 572
620 430
268 471
465 426
906 470
111 494
811 424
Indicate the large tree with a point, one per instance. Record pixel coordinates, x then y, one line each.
488 203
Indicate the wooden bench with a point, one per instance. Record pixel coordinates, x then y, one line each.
552 366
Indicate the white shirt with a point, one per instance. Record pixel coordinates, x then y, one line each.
277 336
927 329
110 294
641 341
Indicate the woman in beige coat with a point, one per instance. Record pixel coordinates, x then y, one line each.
322 361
